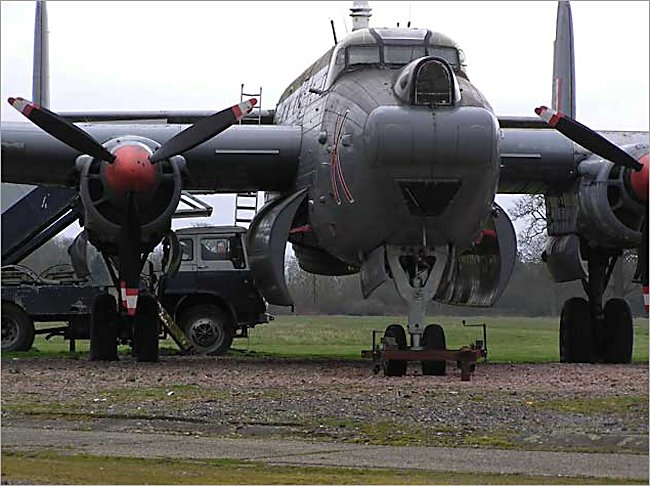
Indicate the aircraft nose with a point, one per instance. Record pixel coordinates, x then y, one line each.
428 140
439 163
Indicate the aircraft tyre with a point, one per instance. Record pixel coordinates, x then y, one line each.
17 328
577 343
434 338
618 332
103 329
146 329
394 367
209 329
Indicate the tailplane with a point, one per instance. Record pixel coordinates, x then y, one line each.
564 84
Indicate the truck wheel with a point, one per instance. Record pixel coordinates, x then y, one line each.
209 329
103 329
17 329
146 329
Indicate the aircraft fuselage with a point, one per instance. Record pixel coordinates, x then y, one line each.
383 170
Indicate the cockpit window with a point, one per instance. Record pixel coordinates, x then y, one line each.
449 54
433 84
363 55
392 48
402 54
340 59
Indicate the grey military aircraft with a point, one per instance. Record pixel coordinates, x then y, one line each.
382 159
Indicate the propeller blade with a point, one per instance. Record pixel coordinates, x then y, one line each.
61 129
587 138
202 131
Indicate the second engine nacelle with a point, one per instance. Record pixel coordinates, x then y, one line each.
610 212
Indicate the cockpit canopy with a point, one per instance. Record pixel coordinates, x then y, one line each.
428 80
393 48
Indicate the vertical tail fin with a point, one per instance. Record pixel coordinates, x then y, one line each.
41 68
564 84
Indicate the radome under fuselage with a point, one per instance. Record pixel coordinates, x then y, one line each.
381 170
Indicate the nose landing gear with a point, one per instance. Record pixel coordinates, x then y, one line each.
417 273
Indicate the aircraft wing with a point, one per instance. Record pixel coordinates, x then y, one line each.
522 122
545 161
243 158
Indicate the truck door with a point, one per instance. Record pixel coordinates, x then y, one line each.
221 262
186 277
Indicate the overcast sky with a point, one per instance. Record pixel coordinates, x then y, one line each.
194 55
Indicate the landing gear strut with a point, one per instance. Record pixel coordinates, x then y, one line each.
589 331
416 274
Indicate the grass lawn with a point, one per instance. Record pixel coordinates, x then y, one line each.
53 468
509 339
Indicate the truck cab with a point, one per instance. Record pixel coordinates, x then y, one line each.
212 296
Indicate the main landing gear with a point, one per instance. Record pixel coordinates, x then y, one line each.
589 331
108 327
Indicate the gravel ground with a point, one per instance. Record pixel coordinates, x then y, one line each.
593 408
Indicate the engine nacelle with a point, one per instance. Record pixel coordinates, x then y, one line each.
610 212
105 202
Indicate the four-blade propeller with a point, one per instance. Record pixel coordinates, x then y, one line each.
129 173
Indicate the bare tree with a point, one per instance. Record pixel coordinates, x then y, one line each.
530 210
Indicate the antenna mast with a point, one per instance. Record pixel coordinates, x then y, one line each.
333 32
360 13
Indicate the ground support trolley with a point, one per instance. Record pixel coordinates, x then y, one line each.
390 354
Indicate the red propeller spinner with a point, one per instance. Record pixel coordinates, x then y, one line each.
639 180
131 170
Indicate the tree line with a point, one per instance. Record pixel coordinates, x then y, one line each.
531 291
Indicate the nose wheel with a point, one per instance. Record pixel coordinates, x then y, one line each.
394 338
434 338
